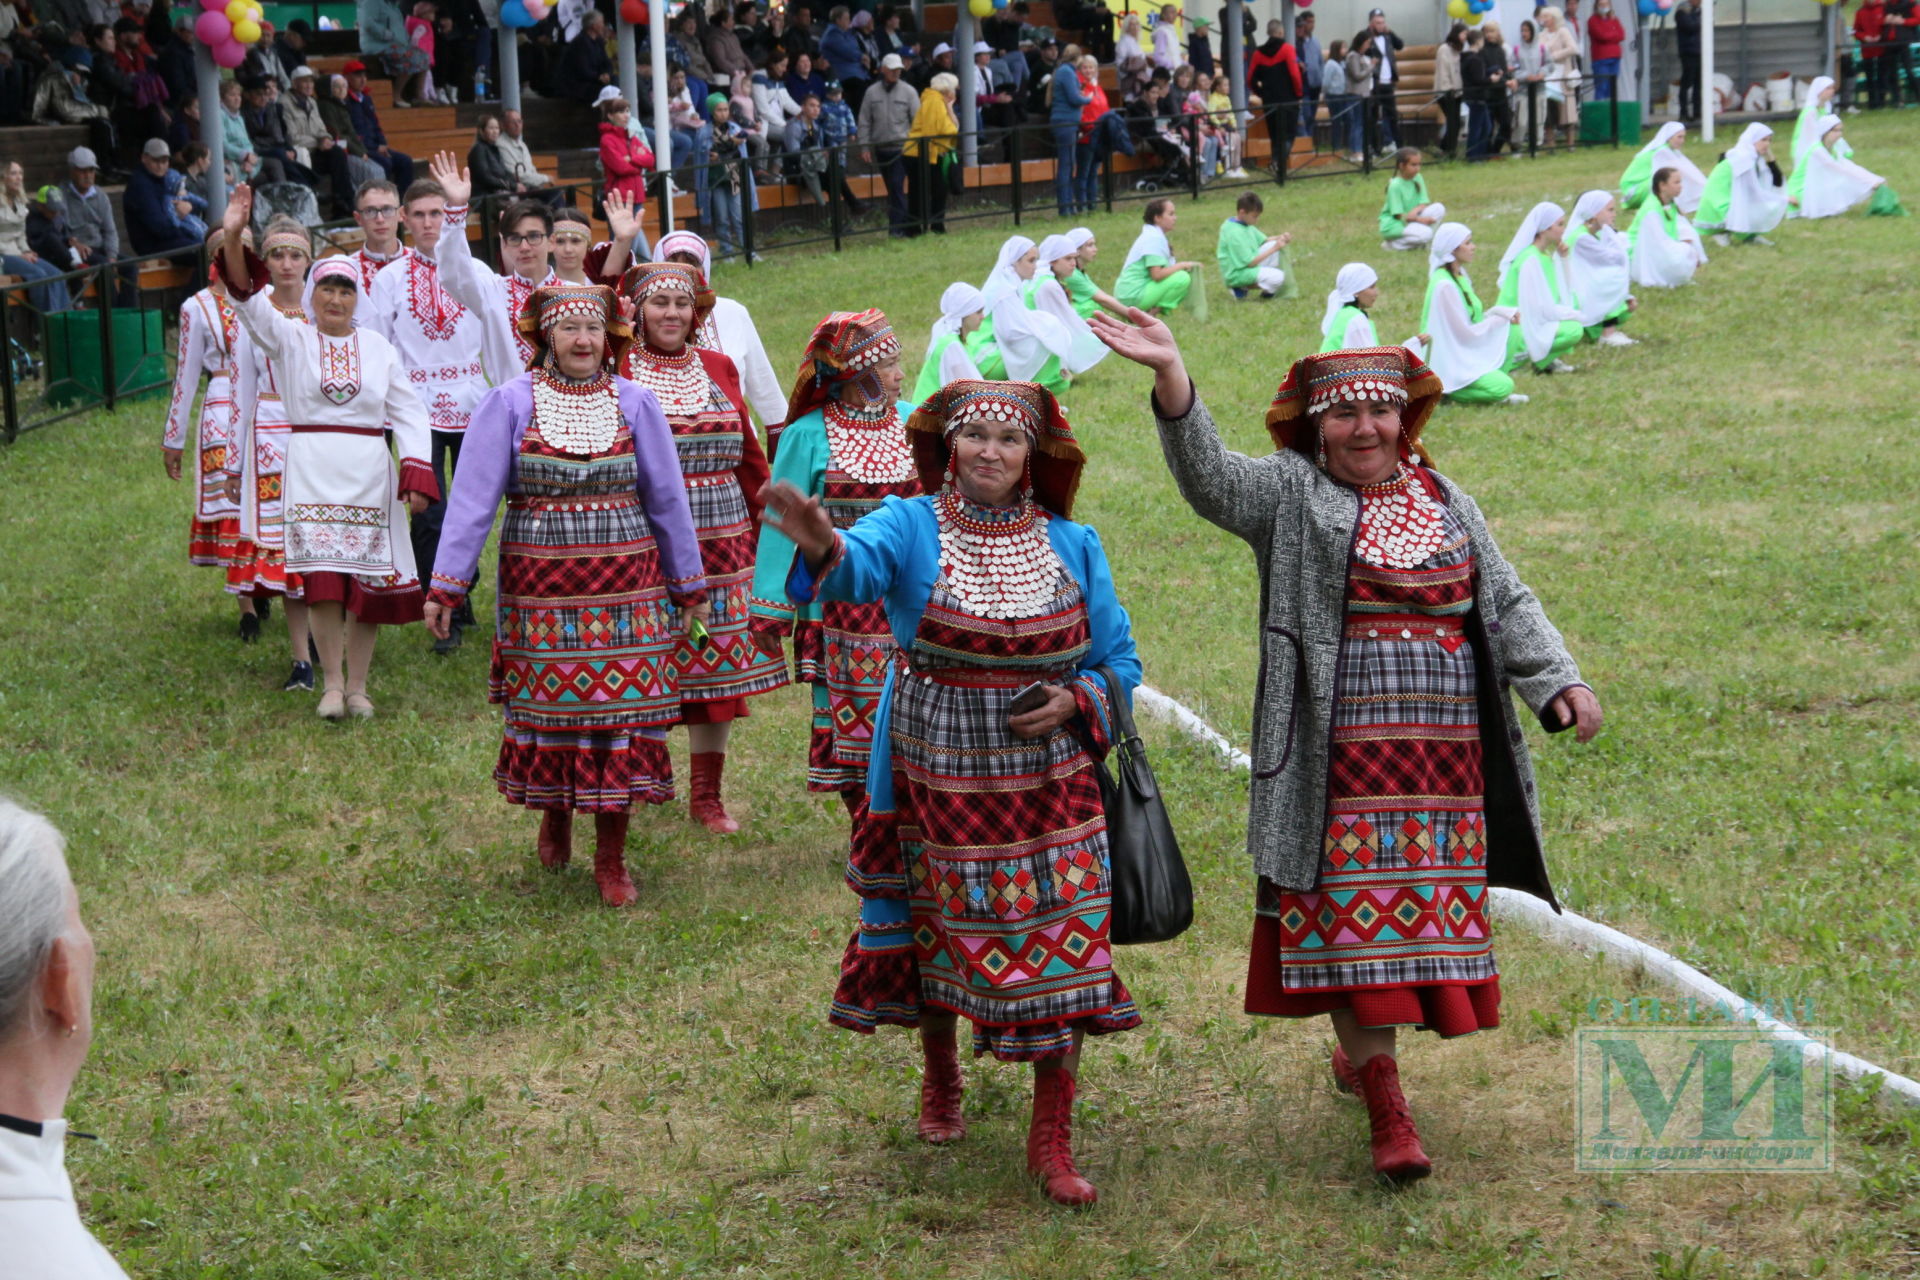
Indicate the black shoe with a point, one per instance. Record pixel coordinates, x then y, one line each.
449 644
249 627
300 678
263 609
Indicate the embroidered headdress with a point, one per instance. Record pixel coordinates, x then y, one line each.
681 241
331 268
550 304
1317 382
843 346
285 237
1054 462
645 279
215 242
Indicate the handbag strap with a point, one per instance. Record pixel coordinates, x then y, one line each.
1117 703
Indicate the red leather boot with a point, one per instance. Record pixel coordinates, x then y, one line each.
610 860
1345 1078
704 805
1396 1143
1050 1138
555 844
940 1119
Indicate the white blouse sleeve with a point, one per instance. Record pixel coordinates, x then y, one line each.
186 374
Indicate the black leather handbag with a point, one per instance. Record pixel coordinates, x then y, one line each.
1152 894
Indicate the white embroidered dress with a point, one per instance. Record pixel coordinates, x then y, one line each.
207 331
496 299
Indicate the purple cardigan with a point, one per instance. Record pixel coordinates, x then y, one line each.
486 472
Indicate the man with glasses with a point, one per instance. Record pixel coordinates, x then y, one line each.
442 346
376 208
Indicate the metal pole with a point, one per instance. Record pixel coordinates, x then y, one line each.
1709 100
1233 52
207 81
1830 29
662 128
6 376
105 280
963 39
629 70
1017 152
507 60
1745 76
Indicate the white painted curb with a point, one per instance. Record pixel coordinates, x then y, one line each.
1576 930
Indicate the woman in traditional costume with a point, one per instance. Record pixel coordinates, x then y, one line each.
724 471
1466 344
729 329
1807 133
1598 269
846 444
1345 322
1533 279
345 504
995 909
1636 184
951 345
1391 782
1663 249
259 459
1031 345
208 331
597 552
1150 278
1055 262
1745 195
1408 216
1827 182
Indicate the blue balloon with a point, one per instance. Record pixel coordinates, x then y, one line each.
1648 8
514 14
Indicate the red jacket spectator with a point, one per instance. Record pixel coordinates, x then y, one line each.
1870 29
1605 35
1263 72
1096 107
624 159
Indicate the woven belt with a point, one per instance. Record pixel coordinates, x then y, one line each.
562 504
304 428
979 677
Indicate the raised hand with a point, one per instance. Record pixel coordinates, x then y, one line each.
622 220
802 518
1146 340
453 180
239 209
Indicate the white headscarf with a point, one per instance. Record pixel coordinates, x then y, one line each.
1449 236
1825 125
1589 205
1025 337
1538 219
328 269
1151 242
1078 237
1354 279
1742 155
685 242
1820 83
959 301
1668 132
1053 248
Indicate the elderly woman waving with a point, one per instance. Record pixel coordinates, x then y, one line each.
1391 780
983 873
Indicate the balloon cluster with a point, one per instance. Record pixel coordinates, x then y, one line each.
1654 8
524 13
1469 11
981 8
227 27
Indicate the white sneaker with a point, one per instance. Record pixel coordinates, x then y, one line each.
1236 173
1763 240
1723 240
1615 338
1561 366
673 189
1517 398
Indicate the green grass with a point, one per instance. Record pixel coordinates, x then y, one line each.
348 1028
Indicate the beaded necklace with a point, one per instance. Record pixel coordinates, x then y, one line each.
867 443
577 416
1400 526
997 561
678 381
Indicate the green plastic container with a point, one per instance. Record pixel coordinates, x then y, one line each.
1596 123
75 371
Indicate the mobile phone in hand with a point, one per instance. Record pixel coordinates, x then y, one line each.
1031 698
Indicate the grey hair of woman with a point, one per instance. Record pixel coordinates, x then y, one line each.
33 907
1550 18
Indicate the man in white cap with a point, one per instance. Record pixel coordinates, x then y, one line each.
993 92
886 115
941 59
90 221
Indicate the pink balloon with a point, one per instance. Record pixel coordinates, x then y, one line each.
229 54
213 29
535 9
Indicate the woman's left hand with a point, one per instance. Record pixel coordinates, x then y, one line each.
416 502
1038 723
1579 709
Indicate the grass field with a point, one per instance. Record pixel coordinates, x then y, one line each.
347 1028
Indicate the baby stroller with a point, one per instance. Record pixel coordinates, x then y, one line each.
1176 161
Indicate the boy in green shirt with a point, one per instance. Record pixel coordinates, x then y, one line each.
1251 259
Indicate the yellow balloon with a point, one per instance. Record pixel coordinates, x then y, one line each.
980 8
246 31
1457 8
236 10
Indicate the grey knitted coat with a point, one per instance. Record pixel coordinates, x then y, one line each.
1301 524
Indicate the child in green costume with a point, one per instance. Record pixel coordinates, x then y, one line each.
1533 279
1250 258
1465 345
1150 279
1408 217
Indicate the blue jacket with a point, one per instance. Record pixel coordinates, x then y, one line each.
841 49
152 224
366 121
893 555
1067 98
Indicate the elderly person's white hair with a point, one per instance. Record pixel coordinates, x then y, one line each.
33 907
945 82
